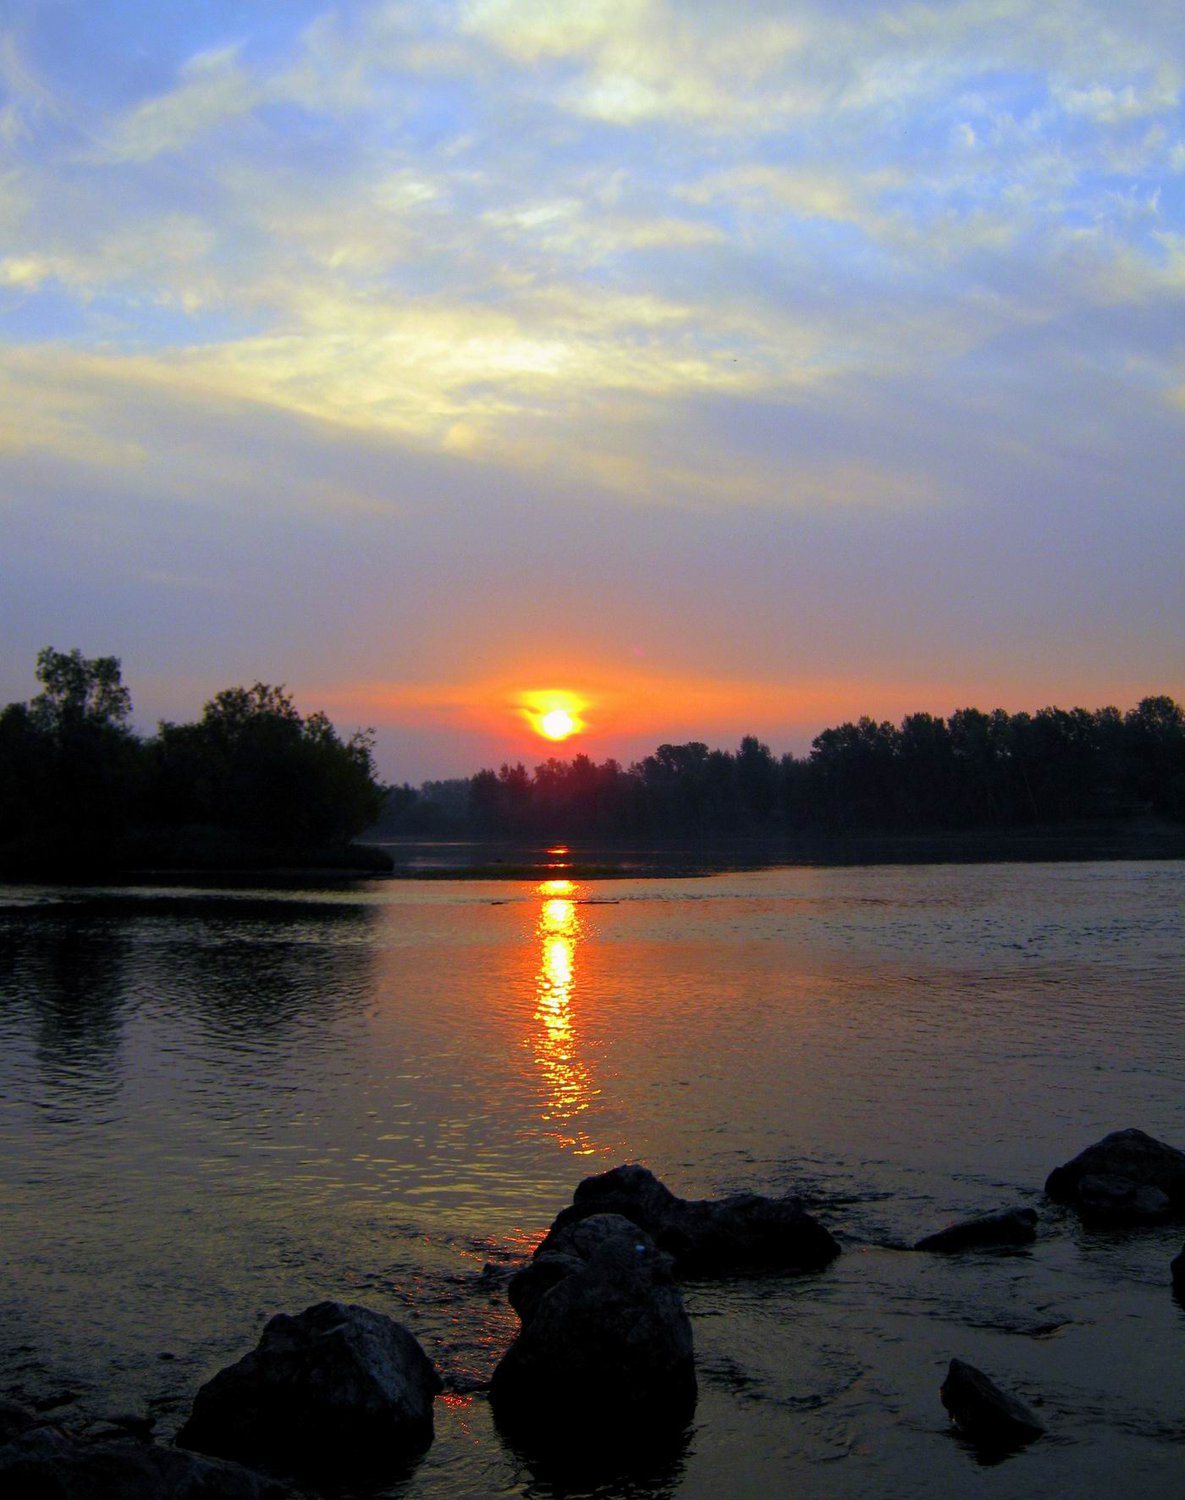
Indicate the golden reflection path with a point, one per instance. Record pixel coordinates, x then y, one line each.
555 1041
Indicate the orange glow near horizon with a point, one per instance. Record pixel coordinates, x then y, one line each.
626 711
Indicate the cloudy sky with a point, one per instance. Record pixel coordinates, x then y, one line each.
735 366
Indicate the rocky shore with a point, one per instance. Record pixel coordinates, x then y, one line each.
604 1357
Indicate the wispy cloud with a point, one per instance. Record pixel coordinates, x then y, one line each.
214 90
866 270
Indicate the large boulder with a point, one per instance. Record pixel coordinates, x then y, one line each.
1126 1178
48 1463
336 1387
605 1347
989 1417
1014 1226
705 1237
1177 1272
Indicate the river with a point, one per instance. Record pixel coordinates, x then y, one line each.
218 1104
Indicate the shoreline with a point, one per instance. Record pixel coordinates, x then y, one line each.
417 859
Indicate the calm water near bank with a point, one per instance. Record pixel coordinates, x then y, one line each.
218 1104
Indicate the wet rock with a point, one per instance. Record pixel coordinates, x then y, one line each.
121 1424
1119 1202
336 1387
47 1463
1126 1178
15 1419
605 1348
1177 1270
988 1416
706 1237
1014 1226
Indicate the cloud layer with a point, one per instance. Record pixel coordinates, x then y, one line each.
488 318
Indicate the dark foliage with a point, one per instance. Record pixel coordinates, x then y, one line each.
252 776
68 761
253 764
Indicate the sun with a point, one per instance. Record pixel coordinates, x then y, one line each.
552 713
557 725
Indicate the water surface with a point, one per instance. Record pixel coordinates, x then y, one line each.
216 1105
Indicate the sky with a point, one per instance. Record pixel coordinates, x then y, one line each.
733 368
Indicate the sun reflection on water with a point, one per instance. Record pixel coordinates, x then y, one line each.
570 1088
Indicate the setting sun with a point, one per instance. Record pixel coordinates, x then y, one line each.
554 714
557 725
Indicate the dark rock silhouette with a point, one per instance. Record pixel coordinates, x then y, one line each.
988 1416
705 1237
1177 1270
1119 1202
605 1348
15 1419
1014 1226
1126 1178
335 1387
47 1463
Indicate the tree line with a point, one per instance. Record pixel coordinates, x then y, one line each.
973 770
252 779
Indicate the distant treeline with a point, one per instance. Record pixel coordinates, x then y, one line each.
251 781
254 781
974 770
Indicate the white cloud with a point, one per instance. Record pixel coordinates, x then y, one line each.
477 259
1110 104
27 272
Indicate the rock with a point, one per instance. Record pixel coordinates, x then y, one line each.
1177 1270
1119 1202
46 1463
1109 1181
15 1419
336 1387
985 1414
605 1347
1015 1226
706 1237
121 1424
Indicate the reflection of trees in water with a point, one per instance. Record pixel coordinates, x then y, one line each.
248 973
69 973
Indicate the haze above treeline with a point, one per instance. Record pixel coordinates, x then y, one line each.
254 781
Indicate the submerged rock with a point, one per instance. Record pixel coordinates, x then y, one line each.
988 1416
1014 1226
336 1387
706 1237
605 1349
1126 1178
47 1463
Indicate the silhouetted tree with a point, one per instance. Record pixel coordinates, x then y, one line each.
69 764
79 692
1155 733
252 764
756 782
